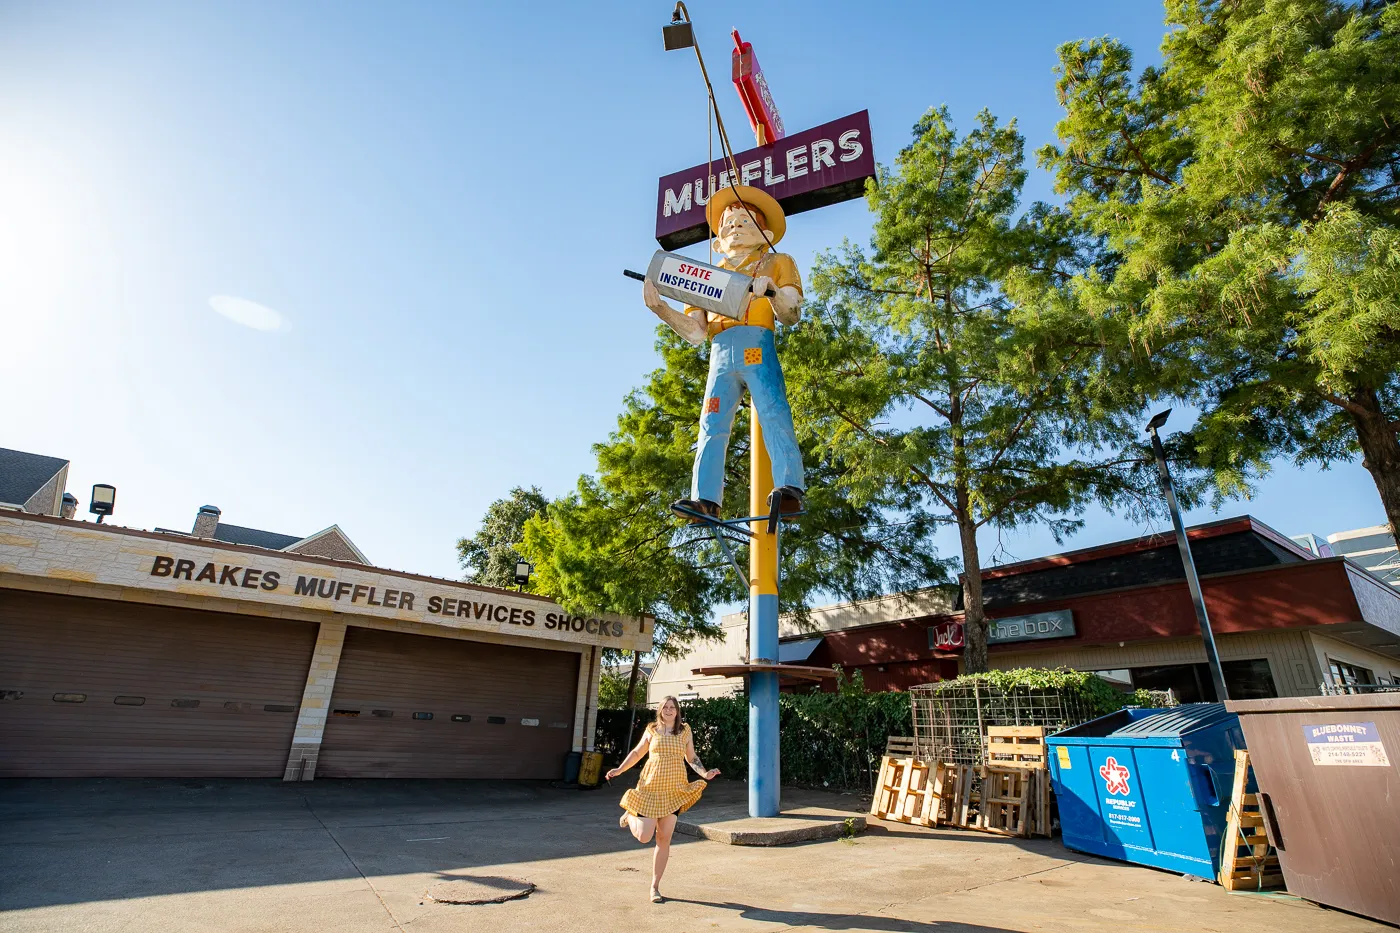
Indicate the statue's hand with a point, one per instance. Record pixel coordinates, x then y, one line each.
761 284
652 298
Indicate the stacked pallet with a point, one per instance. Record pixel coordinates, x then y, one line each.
1015 786
1016 782
1246 859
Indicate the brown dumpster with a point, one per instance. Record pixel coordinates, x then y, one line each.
1328 770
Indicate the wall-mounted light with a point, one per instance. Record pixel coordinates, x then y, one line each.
103 502
69 507
522 573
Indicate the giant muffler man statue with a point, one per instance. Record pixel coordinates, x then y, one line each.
747 223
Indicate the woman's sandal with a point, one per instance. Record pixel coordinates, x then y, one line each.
623 820
656 897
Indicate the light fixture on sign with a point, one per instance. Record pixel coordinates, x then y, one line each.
522 573
104 501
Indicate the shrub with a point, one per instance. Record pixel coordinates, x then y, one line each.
832 740
1086 693
835 740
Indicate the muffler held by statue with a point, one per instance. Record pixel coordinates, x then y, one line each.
699 284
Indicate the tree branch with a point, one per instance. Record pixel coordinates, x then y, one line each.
928 481
1347 404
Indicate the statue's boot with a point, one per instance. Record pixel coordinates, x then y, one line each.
703 506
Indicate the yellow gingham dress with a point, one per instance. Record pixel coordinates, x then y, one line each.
662 788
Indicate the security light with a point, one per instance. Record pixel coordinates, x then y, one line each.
1158 420
522 573
678 35
104 501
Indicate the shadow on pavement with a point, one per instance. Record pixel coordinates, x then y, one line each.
804 918
71 841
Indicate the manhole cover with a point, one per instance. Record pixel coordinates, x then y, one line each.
480 890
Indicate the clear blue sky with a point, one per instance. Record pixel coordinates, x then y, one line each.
436 200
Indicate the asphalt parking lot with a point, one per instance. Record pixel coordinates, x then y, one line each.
151 856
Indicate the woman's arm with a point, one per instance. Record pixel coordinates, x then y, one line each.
694 759
634 756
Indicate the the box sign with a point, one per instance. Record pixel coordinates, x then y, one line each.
1033 627
1346 743
804 171
949 636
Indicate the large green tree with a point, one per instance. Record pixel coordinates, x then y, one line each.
948 369
1247 193
489 556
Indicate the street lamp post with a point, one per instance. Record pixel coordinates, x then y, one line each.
1217 675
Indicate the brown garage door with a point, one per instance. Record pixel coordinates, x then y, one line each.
414 706
99 688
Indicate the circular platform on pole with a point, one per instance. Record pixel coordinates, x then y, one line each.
787 670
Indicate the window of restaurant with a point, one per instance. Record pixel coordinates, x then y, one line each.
1345 674
1191 683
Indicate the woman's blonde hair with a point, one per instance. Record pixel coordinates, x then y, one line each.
658 725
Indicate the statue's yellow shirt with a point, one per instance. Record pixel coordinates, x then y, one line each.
777 266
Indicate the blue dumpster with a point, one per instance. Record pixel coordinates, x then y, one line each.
1150 786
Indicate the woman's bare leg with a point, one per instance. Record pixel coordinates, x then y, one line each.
642 827
664 828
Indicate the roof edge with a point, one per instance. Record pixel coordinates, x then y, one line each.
321 534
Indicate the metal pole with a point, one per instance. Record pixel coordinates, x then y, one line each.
1217 675
765 794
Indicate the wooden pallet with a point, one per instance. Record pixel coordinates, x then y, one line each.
910 790
1006 800
893 776
1015 801
900 746
1016 747
903 793
1246 858
953 790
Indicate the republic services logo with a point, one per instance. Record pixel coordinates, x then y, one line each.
1115 777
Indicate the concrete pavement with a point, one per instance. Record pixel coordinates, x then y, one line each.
232 856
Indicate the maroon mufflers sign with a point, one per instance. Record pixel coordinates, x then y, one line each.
804 171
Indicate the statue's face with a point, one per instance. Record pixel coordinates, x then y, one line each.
738 231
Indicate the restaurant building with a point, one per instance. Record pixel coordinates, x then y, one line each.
159 653
1286 622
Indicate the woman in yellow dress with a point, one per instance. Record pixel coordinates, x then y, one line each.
662 793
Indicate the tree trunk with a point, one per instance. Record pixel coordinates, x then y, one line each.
1380 448
632 696
974 619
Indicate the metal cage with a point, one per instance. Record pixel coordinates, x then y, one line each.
951 717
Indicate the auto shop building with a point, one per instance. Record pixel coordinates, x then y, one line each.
136 653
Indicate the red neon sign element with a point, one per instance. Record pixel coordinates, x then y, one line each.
753 92
1115 777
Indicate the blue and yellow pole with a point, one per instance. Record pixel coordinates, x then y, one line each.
764 763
